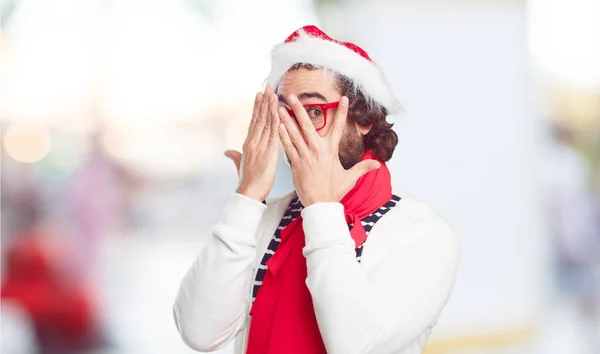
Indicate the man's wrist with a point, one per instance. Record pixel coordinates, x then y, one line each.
312 202
308 201
247 192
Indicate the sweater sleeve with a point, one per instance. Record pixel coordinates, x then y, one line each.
212 302
396 301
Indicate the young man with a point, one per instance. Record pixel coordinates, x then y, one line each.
341 265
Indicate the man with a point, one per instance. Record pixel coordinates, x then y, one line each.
341 265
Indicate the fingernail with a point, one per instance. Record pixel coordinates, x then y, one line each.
282 111
292 99
282 127
273 114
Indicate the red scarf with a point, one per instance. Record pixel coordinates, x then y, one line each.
283 317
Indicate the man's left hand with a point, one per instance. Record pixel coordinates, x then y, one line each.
316 168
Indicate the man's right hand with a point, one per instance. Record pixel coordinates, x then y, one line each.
257 165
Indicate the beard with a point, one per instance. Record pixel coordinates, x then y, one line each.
352 147
351 151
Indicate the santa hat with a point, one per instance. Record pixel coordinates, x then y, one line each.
310 45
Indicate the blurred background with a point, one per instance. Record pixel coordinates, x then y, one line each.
115 113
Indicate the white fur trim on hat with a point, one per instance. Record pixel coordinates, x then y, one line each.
338 58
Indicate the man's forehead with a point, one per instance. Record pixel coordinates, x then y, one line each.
310 83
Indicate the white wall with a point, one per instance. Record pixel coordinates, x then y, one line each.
468 143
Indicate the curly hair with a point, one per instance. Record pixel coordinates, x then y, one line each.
381 139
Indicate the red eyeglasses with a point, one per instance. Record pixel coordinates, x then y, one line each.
317 112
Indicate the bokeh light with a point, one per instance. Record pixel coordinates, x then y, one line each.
27 143
118 143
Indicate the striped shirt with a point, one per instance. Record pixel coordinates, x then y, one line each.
291 214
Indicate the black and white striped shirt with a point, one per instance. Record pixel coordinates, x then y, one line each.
291 214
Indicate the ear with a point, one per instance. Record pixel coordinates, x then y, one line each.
363 130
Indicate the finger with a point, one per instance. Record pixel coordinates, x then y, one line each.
363 167
293 132
339 121
236 157
273 132
266 134
306 126
288 146
257 103
262 115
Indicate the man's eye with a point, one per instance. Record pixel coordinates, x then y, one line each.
314 112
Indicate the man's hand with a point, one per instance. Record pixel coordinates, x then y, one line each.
257 165
318 173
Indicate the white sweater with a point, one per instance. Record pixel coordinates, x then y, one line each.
387 303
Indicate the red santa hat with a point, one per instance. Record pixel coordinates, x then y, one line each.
310 45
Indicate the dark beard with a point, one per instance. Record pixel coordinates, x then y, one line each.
352 148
